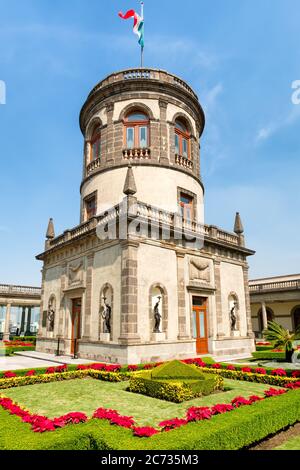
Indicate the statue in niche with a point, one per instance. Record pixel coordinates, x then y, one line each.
157 316
233 317
51 316
199 270
75 273
106 316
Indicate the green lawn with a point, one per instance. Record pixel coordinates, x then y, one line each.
291 444
86 395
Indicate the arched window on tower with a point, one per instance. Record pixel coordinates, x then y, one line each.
182 139
95 143
137 130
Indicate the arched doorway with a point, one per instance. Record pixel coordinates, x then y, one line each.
296 318
270 317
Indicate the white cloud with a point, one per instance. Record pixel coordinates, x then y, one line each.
275 126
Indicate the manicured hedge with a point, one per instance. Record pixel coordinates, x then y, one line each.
57 377
231 431
10 351
252 377
268 355
176 390
30 339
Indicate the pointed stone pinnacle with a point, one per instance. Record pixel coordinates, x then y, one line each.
50 230
238 226
129 186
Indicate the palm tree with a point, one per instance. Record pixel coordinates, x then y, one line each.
282 338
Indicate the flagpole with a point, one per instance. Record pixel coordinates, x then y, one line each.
142 47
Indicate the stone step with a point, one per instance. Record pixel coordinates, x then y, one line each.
51 358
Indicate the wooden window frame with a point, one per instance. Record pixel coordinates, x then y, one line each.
96 137
184 206
136 125
86 201
181 136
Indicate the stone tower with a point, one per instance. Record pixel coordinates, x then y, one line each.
142 278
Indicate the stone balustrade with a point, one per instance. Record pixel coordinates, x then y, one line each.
149 214
138 153
12 290
184 162
275 286
94 165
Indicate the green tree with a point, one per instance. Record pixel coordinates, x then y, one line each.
282 338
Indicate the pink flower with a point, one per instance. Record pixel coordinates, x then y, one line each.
172 424
123 421
144 432
230 367
132 368
82 367
103 413
255 398
198 414
216 366
148 366
50 370
30 373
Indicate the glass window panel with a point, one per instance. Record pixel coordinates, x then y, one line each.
130 137
195 325
186 199
143 137
184 148
202 325
179 125
177 144
188 213
198 301
137 117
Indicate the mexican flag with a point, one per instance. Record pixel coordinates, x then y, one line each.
138 23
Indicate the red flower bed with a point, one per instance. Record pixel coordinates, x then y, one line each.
280 372
132 368
295 374
263 343
198 414
230 367
30 373
9 375
260 370
220 409
272 392
172 424
246 369
144 432
240 401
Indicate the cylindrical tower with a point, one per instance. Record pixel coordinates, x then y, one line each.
152 119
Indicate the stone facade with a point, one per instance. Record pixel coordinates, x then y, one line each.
85 272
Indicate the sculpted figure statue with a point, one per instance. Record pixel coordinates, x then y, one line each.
106 315
233 317
157 316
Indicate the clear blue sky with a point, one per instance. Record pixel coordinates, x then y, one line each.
241 56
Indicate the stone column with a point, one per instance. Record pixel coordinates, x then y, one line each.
88 298
264 315
22 329
110 133
28 326
163 105
250 333
7 322
220 327
129 293
182 324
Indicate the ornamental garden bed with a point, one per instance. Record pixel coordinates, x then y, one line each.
232 419
8 348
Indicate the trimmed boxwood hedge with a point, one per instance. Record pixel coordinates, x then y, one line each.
10 351
268 355
232 431
176 390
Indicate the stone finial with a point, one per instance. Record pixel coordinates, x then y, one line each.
238 226
129 186
50 230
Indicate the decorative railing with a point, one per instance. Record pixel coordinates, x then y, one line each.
144 74
275 286
184 161
94 165
149 214
144 153
137 74
20 290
